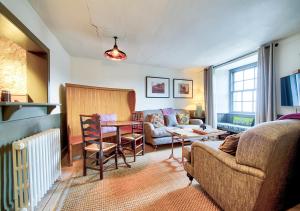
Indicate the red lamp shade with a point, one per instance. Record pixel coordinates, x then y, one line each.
115 53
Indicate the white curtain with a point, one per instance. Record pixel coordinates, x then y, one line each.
209 97
265 101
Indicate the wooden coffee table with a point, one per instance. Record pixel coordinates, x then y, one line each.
187 134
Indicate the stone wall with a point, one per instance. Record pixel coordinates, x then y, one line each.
13 73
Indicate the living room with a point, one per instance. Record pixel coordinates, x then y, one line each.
139 105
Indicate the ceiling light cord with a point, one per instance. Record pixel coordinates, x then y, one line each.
91 21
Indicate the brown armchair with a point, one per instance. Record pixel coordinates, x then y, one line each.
258 176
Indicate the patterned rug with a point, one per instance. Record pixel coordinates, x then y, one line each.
152 183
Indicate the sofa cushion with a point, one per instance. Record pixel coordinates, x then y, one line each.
160 132
107 118
243 121
290 116
148 112
168 111
183 118
230 144
157 120
171 120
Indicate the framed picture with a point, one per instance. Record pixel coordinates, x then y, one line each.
182 88
157 87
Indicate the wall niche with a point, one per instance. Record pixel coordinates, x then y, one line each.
24 62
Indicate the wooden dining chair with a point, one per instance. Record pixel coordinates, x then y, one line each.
93 147
135 137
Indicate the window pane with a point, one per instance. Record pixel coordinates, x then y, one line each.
237 96
243 90
247 106
238 86
248 96
249 74
238 76
237 106
249 84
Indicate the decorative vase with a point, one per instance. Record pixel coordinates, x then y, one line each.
198 112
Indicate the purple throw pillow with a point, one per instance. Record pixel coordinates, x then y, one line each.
290 116
107 118
168 111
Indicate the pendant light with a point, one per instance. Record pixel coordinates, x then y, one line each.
115 53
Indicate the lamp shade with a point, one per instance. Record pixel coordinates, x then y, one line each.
115 53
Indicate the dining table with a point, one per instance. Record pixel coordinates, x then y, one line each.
119 125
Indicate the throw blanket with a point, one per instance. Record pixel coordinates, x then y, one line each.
290 116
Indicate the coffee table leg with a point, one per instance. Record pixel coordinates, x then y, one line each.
120 148
172 151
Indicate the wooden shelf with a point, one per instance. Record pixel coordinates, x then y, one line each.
17 110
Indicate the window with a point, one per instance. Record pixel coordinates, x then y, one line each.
243 88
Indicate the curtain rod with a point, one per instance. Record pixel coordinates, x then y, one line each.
233 60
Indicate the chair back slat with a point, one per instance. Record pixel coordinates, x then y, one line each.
89 122
137 116
91 129
91 136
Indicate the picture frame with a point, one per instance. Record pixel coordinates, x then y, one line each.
157 87
182 88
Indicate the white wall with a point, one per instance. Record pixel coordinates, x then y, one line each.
286 62
113 74
59 58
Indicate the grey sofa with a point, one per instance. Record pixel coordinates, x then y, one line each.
159 136
264 174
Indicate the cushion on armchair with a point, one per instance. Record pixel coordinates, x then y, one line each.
230 144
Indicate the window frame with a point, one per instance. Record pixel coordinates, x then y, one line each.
231 85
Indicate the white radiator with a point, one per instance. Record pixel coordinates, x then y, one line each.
36 166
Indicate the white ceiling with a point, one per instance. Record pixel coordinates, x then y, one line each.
169 33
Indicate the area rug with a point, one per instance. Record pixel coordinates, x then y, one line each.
154 182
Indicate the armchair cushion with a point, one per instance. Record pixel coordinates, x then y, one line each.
230 144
